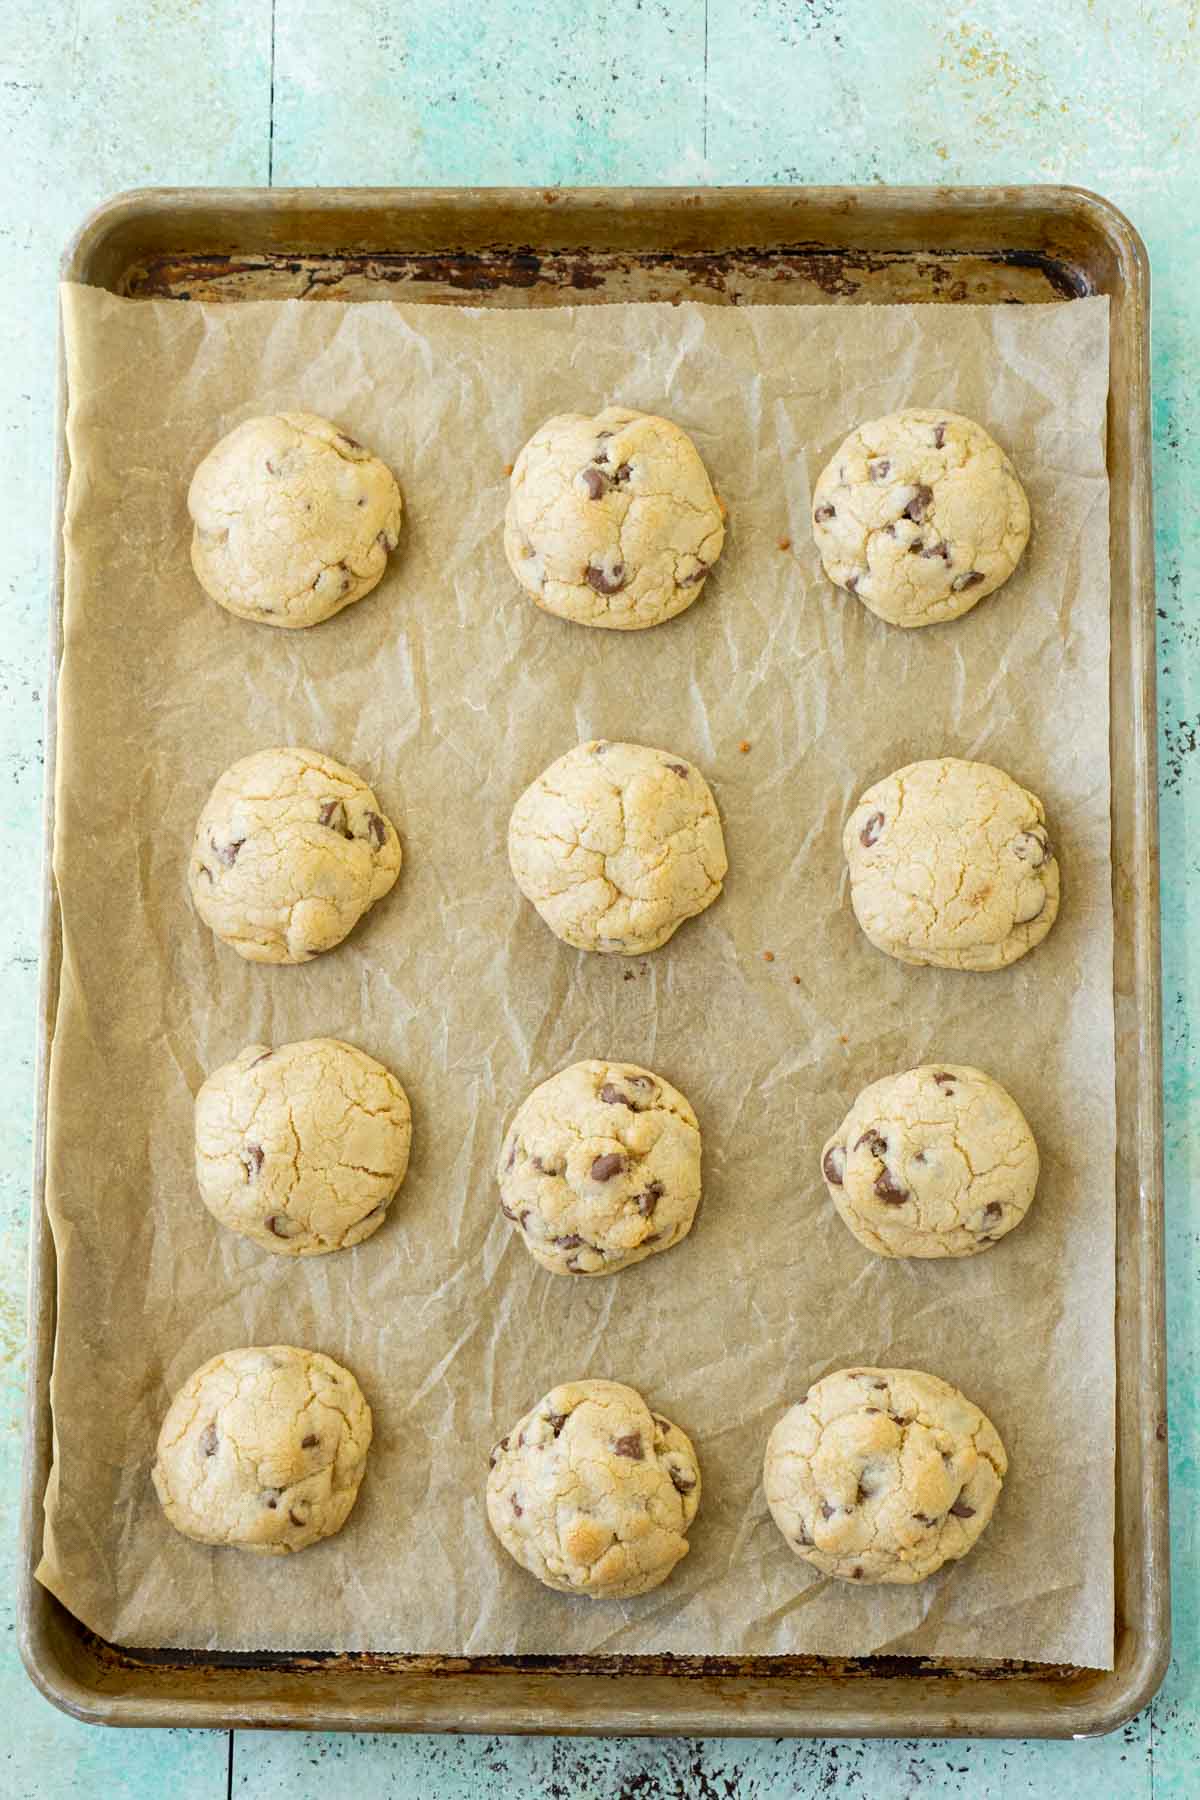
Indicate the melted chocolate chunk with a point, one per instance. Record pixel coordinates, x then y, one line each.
870 832
605 581
631 1446
310 1442
822 513
376 830
919 505
295 1518
228 853
833 1164
971 579
252 1160
889 1190
593 481
605 1167
649 1199
207 1443
960 1509
939 436
683 1484
879 468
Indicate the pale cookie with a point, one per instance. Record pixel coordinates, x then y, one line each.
616 845
612 520
303 1147
938 1161
921 515
290 851
950 865
263 1449
593 1493
293 520
600 1168
883 1475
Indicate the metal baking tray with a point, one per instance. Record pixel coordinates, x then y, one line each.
788 246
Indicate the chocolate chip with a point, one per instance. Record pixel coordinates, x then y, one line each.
871 1140
680 769
852 582
803 1539
543 1168
960 1509
310 1442
901 1418
827 1511
508 1212
556 1421
870 1409
333 816
1031 847
259 1059
603 580
683 1484
992 1211
228 853
971 579
833 1164
251 1159
922 1518
270 1498
856 1573
277 1226
512 1154
612 1096
295 1518
919 505
516 1506
347 439
863 1492
376 830
697 574
822 513
942 550
879 1384
647 1201
879 468
208 1440
631 1446
939 436
571 1242
622 475
870 832
494 1457
605 1167
573 1267
943 1078
593 481
888 1190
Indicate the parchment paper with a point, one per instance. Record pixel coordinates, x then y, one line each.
450 691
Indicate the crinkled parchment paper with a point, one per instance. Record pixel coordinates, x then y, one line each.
450 691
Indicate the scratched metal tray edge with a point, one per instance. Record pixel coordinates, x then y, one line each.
101 1683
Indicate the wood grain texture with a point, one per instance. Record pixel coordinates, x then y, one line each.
94 98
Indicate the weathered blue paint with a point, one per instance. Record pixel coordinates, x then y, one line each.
95 97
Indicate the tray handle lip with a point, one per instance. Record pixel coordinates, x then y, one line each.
1102 213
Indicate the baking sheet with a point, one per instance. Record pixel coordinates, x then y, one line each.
450 691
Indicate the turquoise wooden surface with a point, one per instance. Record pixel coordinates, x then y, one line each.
96 96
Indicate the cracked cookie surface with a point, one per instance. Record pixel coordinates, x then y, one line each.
290 850
616 845
600 1168
883 1475
292 520
921 515
593 1493
302 1147
263 1449
612 520
937 1161
950 865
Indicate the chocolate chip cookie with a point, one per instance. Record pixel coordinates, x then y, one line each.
938 1161
920 514
293 520
612 520
883 1475
950 864
601 1168
616 845
302 1147
263 1449
290 851
593 1493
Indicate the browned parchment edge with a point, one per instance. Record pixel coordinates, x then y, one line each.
575 246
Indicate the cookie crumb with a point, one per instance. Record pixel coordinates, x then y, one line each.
785 543
508 468
768 956
796 979
744 746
